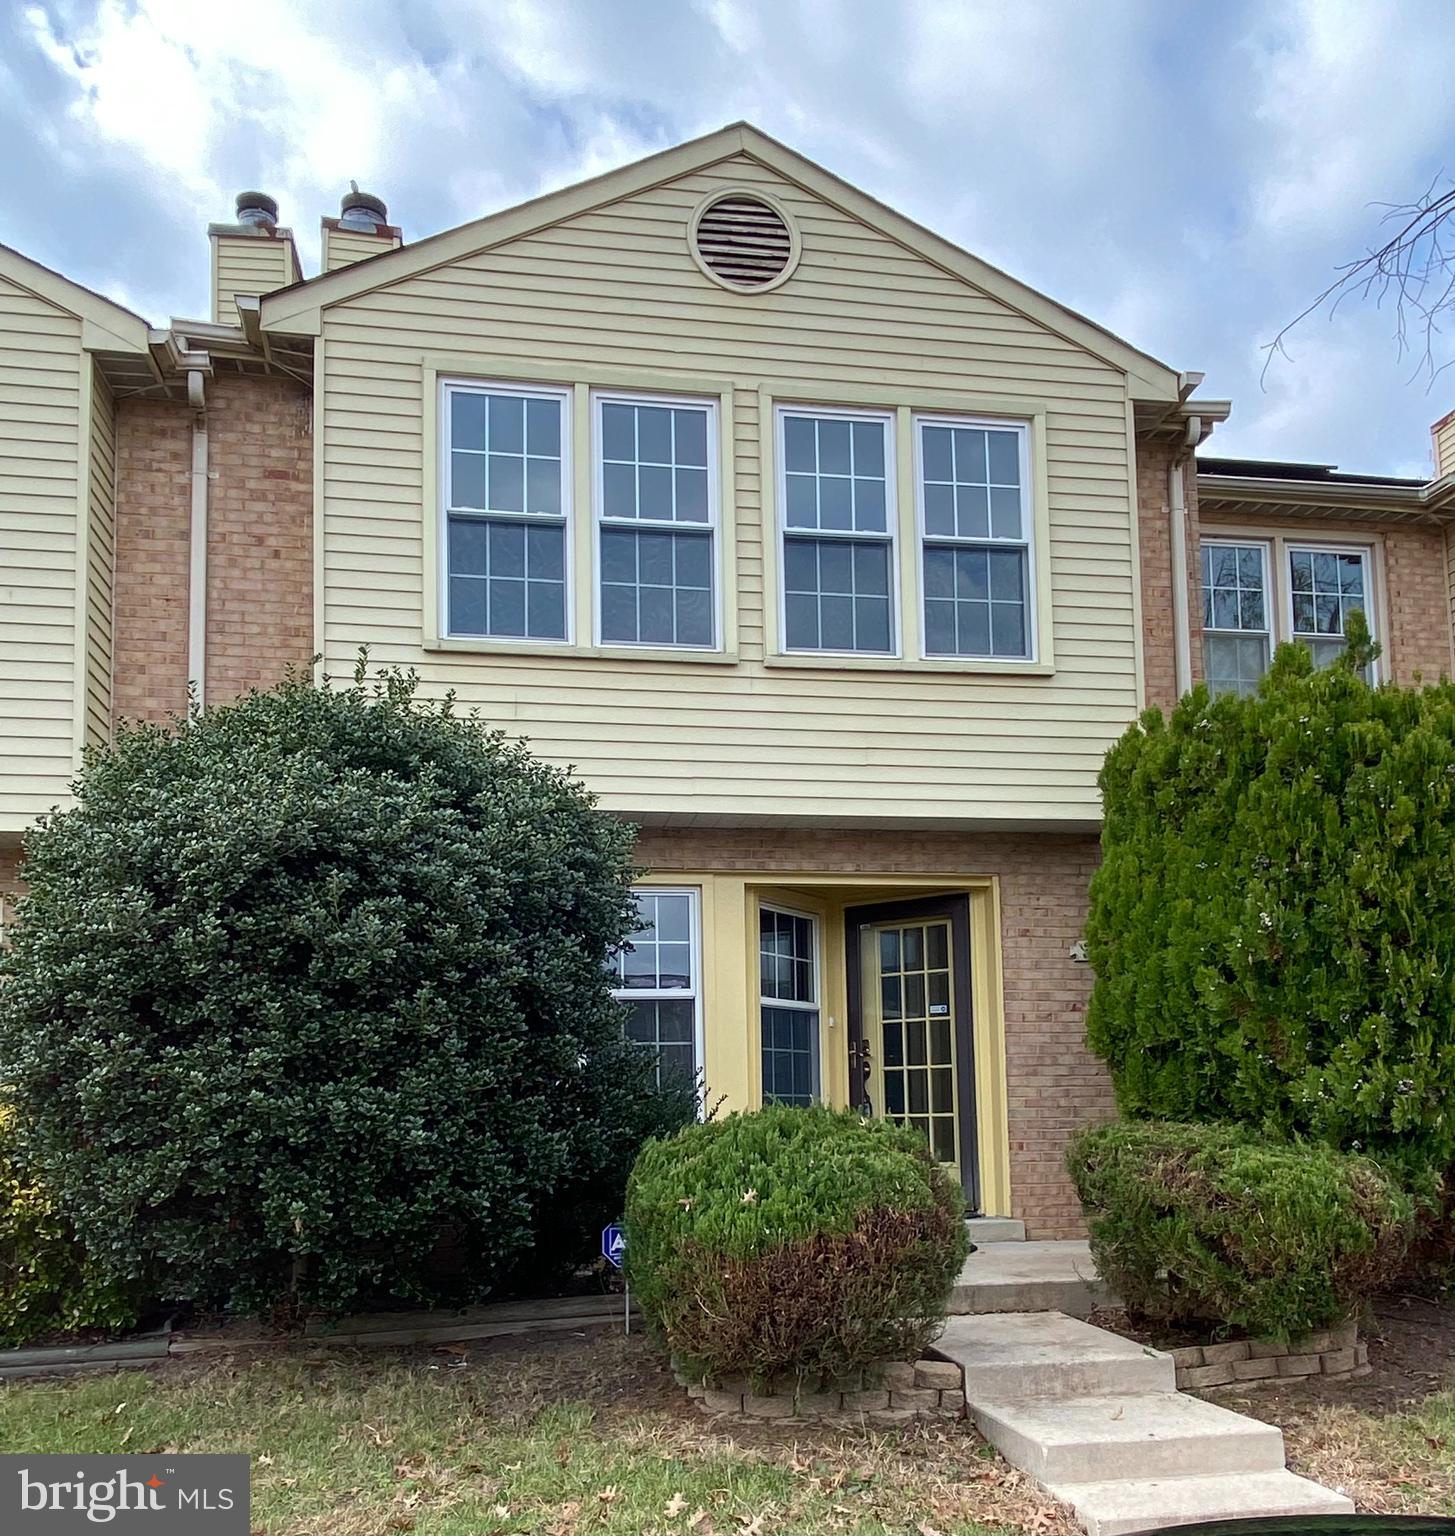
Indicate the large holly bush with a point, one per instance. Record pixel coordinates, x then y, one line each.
791 1241
308 996
1273 923
1215 1225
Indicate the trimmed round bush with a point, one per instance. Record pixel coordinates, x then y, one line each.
789 1241
307 1004
47 1285
1213 1225
1272 924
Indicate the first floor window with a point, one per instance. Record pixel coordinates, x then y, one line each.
656 976
1236 620
972 479
506 512
657 516
836 501
788 991
1325 587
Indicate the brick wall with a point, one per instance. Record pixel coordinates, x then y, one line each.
1159 673
1054 1084
259 543
1416 599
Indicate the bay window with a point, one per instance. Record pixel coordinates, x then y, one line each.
657 973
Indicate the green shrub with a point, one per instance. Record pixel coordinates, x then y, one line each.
1214 1225
311 991
1273 922
793 1241
46 1283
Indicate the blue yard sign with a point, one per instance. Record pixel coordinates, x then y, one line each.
613 1244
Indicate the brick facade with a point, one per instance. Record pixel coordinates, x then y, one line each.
1154 531
259 543
1054 1084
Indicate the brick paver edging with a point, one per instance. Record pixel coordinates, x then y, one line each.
896 1392
1244 1362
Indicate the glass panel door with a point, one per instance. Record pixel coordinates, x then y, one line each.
910 1028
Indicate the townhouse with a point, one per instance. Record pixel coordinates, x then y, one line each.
830 555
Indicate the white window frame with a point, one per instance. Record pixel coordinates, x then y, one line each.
712 527
815 1006
1027 541
1270 600
781 411
678 994
1291 547
448 387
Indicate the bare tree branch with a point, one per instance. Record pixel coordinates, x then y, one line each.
1414 267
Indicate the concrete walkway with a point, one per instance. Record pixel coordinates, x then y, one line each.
1011 1276
1097 1421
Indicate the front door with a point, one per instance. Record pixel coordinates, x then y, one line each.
910 1040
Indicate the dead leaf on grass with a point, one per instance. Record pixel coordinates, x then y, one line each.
674 1506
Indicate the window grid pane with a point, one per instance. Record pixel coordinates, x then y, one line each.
507 578
656 587
836 595
835 472
789 1017
655 975
505 453
976 600
654 462
1328 585
1235 617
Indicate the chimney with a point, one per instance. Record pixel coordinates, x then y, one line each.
362 229
251 256
1443 436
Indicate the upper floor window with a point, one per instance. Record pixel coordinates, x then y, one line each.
1244 614
1325 586
972 484
506 499
837 516
656 497
788 992
657 976
1236 617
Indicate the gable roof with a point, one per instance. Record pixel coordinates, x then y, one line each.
297 308
105 325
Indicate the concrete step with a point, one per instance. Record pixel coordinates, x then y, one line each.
995 1229
1045 1354
1122 1508
1149 1435
1040 1276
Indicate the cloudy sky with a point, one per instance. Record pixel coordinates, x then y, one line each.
1189 175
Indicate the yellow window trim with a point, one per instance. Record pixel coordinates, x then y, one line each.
905 405
579 383
732 1018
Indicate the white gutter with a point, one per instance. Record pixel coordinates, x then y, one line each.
1177 516
197 545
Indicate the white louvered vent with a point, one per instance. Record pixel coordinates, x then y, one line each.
743 241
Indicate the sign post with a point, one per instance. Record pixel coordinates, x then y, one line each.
613 1250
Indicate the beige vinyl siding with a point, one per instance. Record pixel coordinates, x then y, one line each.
343 247
251 265
42 392
100 561
1444 439
616 289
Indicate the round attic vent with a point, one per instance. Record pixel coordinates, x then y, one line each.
744 240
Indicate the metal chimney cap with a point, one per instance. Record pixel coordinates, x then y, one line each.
366 211
256 208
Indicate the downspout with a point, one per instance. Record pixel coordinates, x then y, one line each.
1177 512
197 546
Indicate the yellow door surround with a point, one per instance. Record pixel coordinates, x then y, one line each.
732 1008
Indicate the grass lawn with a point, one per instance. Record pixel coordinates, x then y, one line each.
556 1434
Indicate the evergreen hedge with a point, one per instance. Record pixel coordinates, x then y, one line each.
1214 1225
1273 922
803 1242
307 998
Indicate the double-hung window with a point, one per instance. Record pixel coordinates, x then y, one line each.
657 975
975 517
836 495
788 990
1236 616
656 497
1324 587
506 474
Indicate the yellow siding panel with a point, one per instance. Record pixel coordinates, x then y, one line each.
100 561
247 264
42 389
616 292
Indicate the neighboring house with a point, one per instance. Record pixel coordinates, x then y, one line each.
830 555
